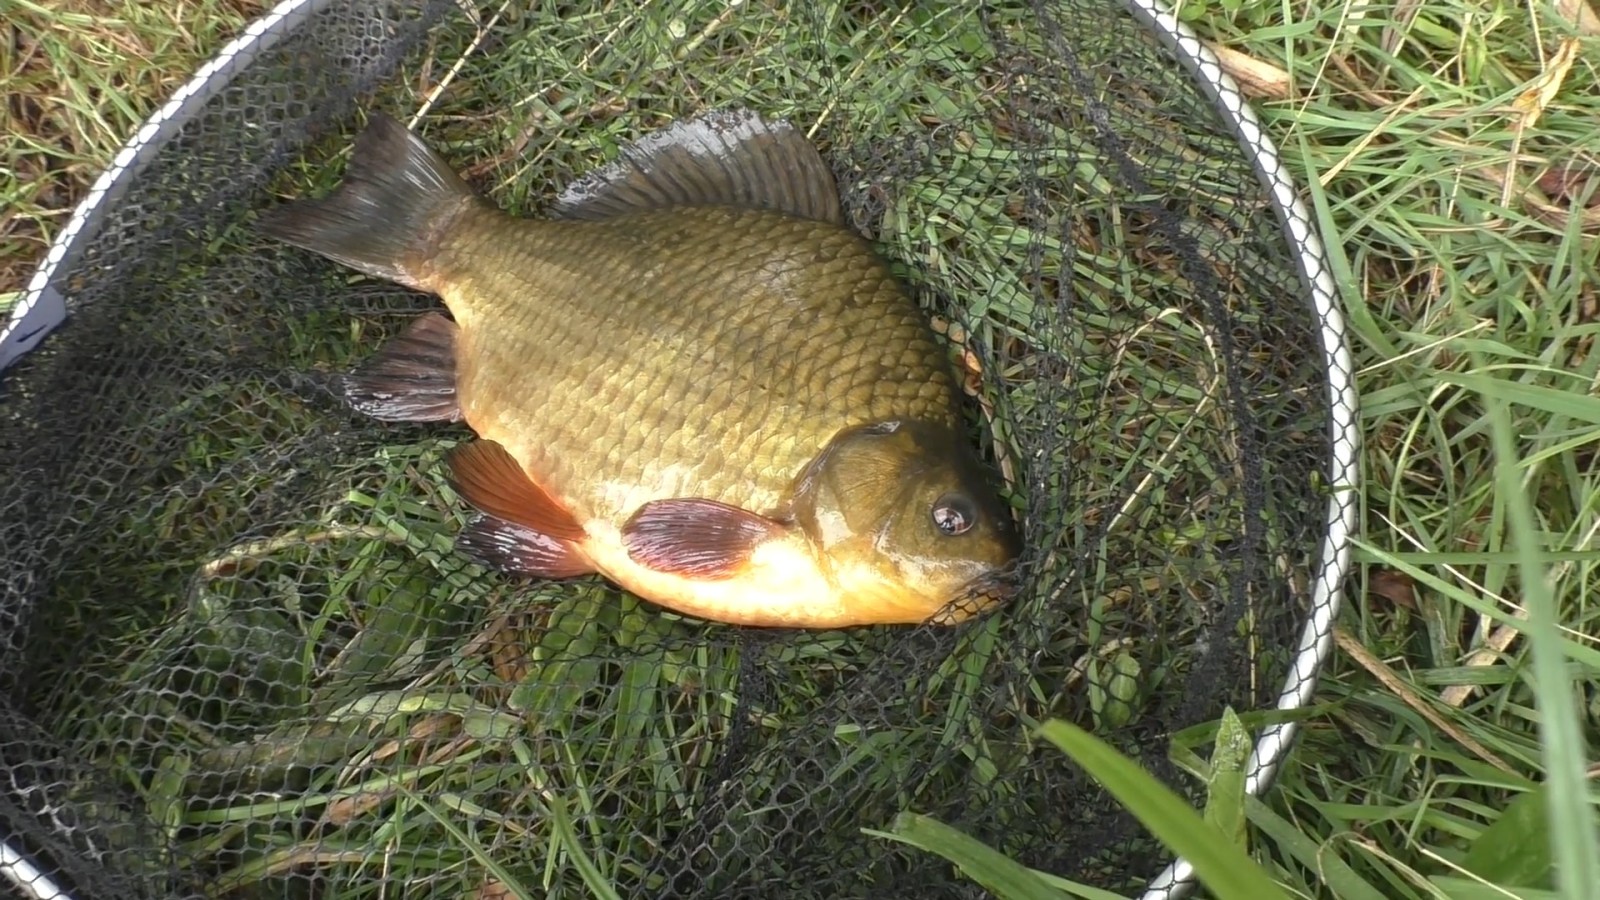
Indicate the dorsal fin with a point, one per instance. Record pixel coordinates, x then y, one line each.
728 157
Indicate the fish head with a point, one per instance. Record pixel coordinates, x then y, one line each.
908 523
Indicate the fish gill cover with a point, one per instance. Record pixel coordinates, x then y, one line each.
242 659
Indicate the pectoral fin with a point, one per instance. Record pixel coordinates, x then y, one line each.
696 538
486 476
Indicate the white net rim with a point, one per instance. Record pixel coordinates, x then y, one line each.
1332 564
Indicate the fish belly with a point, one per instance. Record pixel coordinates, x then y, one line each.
781 586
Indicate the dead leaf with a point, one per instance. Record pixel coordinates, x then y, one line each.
1581 15
973 383
1491 651
1556 215
1589 305
432 726
1361 145
492 889
1408 695
344 810
508 651
1257 80
1399 25
1573 180
1533 100
952 330
1396 587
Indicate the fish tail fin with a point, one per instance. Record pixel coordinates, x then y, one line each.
398 196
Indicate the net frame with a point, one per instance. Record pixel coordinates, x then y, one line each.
44 307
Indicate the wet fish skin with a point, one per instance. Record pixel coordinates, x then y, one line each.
706 352
730 408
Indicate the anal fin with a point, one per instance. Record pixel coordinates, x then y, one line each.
509 547
410 379
696 538
486 476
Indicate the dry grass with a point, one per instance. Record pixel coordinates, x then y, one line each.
79 76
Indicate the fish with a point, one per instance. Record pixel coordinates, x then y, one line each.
689 376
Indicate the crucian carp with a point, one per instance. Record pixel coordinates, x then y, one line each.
691 377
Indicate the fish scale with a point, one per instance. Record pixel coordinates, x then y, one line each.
692 378
625 340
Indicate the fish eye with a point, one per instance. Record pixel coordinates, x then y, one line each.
954 514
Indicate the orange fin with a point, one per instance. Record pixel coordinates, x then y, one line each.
509 547
412 378
696 538
486 476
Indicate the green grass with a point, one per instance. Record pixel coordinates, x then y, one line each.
1469 289
1470 297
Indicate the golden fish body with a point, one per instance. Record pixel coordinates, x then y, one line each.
693 380
621 374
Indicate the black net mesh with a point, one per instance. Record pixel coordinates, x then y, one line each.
242 659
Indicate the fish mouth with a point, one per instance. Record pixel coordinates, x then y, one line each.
980 595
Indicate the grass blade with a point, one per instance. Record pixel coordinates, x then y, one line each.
598 884
1225 869
1225 786
1571 818
1573 404
1314 855
477 850
1463 889
1515 850
1005 877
